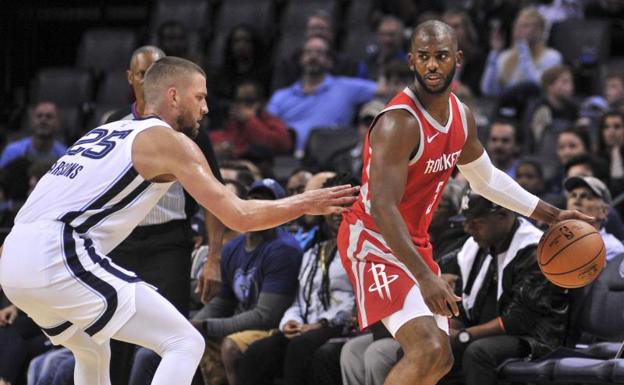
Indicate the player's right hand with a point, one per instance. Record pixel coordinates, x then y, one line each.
329 200
439 296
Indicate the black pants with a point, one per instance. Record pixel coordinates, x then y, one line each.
19 343
326 364
476 364
161 256
265 359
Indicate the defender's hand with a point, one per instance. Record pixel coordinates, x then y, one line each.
439 296
329 200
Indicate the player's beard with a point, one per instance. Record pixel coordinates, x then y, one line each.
447 82
187 128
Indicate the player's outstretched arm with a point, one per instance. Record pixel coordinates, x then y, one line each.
495 185
160 154
393 139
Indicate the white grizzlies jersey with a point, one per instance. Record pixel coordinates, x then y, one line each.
94 188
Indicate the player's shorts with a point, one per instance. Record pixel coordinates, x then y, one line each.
64 284
385 290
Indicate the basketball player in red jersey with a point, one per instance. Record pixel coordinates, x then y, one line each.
411 149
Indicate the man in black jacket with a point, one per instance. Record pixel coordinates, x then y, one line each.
508 307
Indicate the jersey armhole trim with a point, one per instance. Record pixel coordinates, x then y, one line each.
462 113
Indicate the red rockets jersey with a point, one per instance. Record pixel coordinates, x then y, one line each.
428 171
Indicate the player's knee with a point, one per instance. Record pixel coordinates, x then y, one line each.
434 354
196 342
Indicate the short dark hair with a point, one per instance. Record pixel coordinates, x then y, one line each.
535 163
599 166
552 74
165 71
434 27
581 134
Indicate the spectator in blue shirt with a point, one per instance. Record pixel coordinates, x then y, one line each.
389 47
319 99
42 144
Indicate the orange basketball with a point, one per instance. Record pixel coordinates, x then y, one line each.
571 254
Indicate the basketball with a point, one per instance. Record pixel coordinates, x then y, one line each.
571 254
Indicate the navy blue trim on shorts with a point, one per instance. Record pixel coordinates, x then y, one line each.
97 217
55 331
91 280
104 262
112 192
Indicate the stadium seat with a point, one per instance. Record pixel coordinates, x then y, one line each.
104 50
114 89
325 143
253 12
67 87
284 166
583 370
601 316
581 42
538 372
194 14
360 41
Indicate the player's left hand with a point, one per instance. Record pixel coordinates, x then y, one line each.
209 283
329 200
573 214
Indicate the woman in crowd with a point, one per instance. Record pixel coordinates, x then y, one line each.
525 61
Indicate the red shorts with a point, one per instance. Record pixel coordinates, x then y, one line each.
380 281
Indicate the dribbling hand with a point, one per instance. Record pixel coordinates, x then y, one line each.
439 296
331 200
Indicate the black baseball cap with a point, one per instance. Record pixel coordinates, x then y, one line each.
474 206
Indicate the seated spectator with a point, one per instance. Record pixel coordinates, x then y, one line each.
320 311
525 61
350 160
508 308
55 367
297 181
306 229
20 339
250 132
570 142
469 73
589 165
42 144
289 67
397 76
591 196
614 91
258 283
244 60
530 176
556 109
319 99
173 37
501 146
389 48
611 148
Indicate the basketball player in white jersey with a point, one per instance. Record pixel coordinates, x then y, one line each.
54 265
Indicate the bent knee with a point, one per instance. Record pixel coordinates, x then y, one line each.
435 353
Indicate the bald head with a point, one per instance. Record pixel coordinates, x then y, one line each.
165 73
433 30
153 52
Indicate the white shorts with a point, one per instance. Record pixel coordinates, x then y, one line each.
64 284
414 306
